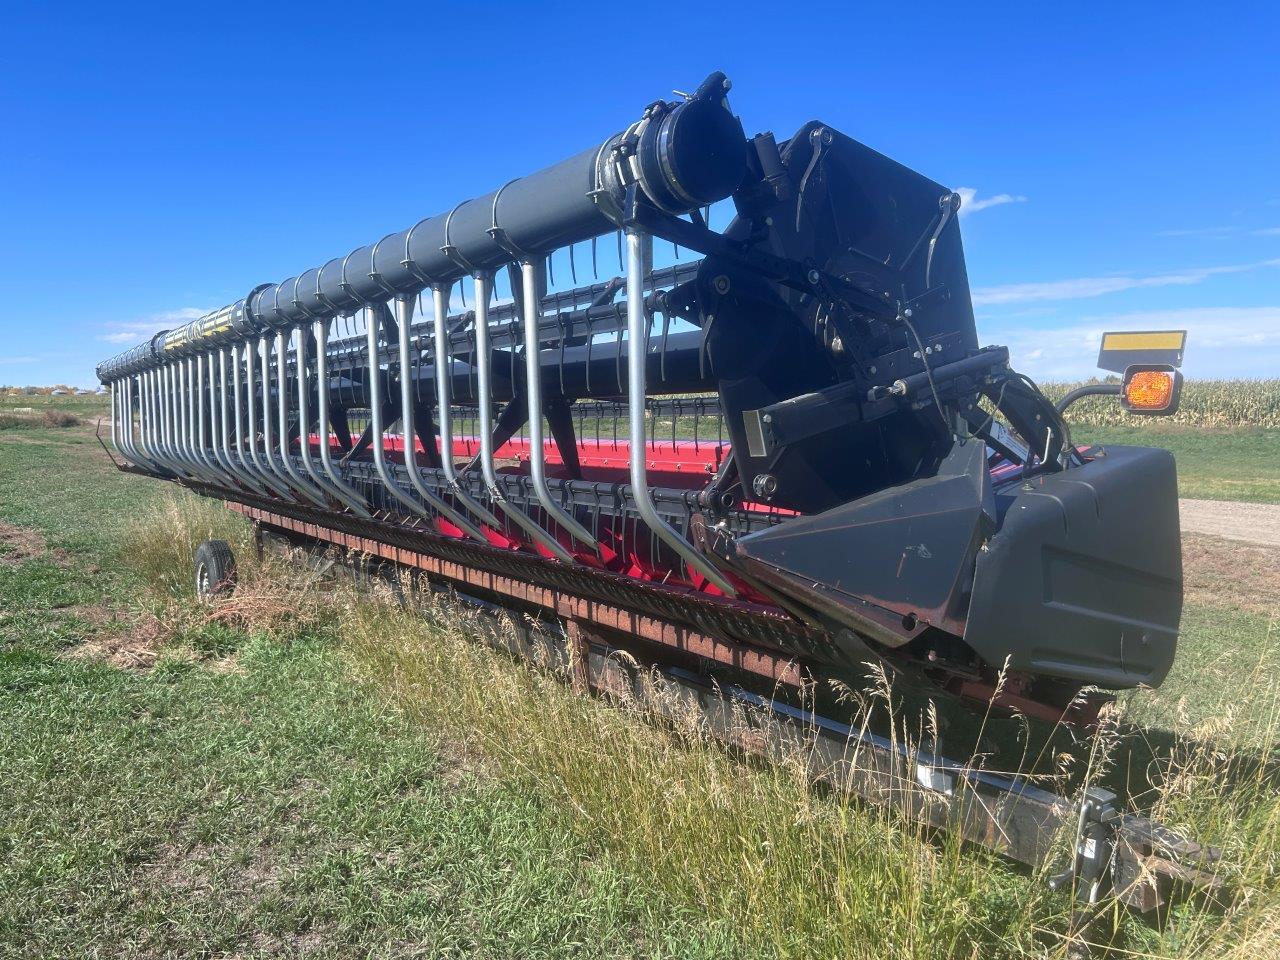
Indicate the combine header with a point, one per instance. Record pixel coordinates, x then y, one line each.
775 447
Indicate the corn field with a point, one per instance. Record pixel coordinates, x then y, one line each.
1205 403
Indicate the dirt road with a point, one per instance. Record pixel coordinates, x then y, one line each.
1247 522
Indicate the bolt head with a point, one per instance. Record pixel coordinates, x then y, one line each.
813 276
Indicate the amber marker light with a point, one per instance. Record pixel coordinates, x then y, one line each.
1151 390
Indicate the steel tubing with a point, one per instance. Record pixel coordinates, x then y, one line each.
637 352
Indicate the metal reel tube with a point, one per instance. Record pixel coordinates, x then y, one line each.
195 422
529 272
339 492
116 431
178 420
186 421
310 491
218 426
217 418
128 434
267 475
375 419
155 438
124 410
164 398
153 434
485 402
234 462
404 314
118 406
172 396
209 425
444 404
192 398
268 430
237 385
637 358
351 496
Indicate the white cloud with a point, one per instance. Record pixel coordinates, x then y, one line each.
1221 341
1218 233
1082 287
135 331
1199 232
969 202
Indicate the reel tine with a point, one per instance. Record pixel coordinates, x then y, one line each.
560 323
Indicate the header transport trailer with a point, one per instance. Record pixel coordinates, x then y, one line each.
775 448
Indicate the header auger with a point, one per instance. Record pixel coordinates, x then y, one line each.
780 438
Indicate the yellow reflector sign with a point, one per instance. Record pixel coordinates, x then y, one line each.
1150 340
1122 349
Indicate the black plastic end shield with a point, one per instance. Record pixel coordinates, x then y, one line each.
886 565
1084 579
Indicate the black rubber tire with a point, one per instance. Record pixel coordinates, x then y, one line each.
215 569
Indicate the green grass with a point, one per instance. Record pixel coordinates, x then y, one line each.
369 782
280 808
1224 463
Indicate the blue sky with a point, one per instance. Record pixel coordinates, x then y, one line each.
1120 163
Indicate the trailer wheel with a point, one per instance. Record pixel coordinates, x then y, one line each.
215 569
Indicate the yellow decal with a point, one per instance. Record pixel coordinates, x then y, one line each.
1153 340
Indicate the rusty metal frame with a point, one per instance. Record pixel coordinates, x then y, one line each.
775 667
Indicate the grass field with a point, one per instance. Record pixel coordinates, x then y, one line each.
253 779
1227 463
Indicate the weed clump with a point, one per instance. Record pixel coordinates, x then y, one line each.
60 419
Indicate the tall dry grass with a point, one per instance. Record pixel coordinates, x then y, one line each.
797 869
793 869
